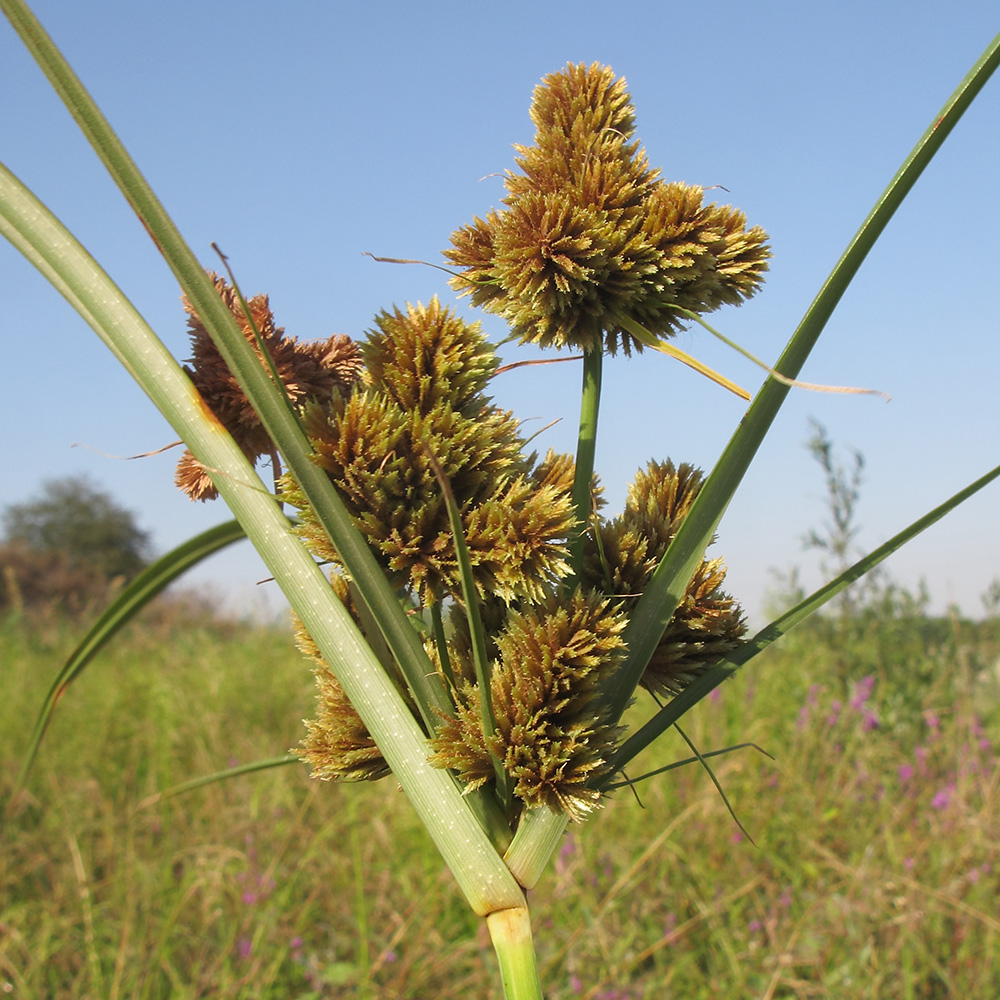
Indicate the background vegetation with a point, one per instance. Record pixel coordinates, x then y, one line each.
874 868
875 872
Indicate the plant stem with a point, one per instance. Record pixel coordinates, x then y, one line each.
590 402
537 836
510 931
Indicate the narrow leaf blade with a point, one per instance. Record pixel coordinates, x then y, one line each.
150 582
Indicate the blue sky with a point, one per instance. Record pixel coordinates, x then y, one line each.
299 135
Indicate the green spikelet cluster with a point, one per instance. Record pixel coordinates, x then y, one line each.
591 234
623 554
422 399
550 734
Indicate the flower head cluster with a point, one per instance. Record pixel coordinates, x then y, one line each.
422 401
550 736
337 743
622 557
591 238
308 370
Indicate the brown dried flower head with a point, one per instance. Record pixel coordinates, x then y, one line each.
309 371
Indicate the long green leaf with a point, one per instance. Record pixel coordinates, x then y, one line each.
631 782
269 402
150 582
715 781
711 679
477 632
664 592
230 772
253 377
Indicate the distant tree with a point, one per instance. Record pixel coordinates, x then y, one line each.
82 526
843 491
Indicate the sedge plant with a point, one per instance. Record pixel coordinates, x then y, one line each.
477 622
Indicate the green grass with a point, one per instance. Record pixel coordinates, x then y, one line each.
875 873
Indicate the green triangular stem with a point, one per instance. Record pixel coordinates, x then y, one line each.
510 931
586 447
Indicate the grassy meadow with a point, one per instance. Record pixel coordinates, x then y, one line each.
874 872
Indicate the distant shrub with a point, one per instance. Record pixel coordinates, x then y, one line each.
68 547
46 581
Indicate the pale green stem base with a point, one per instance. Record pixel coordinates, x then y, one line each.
510 931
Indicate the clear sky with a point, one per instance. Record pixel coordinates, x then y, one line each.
298 135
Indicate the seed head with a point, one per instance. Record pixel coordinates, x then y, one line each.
707 623
337 743
308 371
551 735
591 235
423 400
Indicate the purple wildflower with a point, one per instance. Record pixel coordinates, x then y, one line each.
942 799
862 692
802 720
